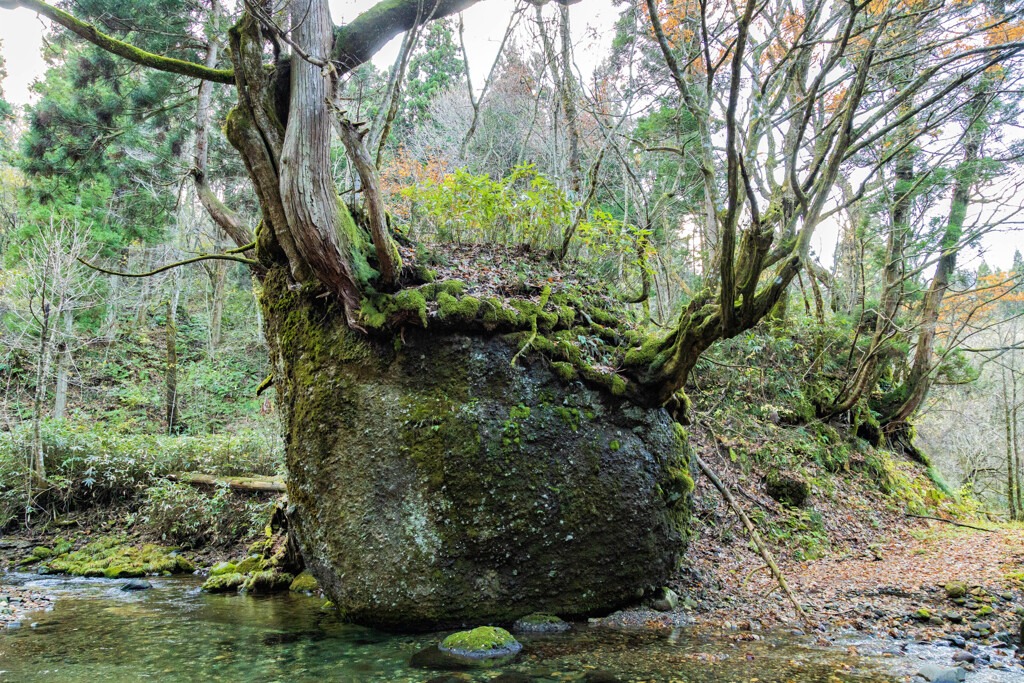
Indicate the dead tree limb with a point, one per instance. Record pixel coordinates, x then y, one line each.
247 484
752 531
949 521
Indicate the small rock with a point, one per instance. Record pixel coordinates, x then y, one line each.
540 623
665 601
955 589
940 674
600 677
511 677
136 585
304 583
963 657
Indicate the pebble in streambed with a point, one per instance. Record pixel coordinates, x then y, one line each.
16 602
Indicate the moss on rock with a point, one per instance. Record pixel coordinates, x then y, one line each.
266 582
435 483
483 641
304 583
223 583
249 564
223 568
114 557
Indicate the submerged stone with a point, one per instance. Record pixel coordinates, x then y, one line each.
137 585
439 484
540 623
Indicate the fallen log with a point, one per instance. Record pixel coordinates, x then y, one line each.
248 484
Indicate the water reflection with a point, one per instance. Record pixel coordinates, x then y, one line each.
174 632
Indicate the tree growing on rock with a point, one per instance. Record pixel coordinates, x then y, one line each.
459 449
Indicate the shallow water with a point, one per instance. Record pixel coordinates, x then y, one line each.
173 632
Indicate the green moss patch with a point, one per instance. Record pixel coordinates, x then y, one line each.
304 583
114 558
223 583
481 642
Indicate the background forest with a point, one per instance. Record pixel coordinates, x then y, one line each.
114 382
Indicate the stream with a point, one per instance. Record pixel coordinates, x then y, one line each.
174 632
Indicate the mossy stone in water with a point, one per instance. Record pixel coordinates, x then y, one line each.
540 623
304 583
266 582
439 484
223 568
482 642
223 583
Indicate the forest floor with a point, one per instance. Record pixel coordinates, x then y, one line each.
877 573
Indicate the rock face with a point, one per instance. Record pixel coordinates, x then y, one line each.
439 484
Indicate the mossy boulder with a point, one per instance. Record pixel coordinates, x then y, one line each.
304 583
432 482
482 642
223 583
787 488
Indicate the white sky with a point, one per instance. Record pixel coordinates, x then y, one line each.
21 35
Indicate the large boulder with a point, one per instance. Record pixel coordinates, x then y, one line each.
437 483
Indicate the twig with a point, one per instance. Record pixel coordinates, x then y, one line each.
754 536
949 521
751 573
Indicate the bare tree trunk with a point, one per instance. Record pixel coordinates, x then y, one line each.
64 364
918 381
37 466
1011 480
171 372
325 239
565 86
220 274
110 320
